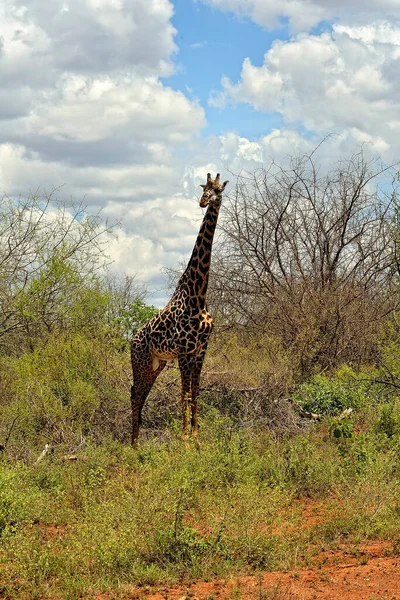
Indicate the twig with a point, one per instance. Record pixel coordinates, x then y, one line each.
213 388
304 413
9 432
69 457
43 454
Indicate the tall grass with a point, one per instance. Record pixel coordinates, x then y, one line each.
117 518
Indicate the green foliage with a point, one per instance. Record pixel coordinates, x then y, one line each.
112 516
308 468
341 428
19 504
115 516
326 396
50 253
63 392
389 420
133 316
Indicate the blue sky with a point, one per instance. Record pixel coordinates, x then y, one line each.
213 44
127 104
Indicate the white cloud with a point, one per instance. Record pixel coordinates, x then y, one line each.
82 109
91 35
157 227
42 41
82 104
346 82
305 14
196 45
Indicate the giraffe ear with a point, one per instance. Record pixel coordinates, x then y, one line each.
225 183
203 185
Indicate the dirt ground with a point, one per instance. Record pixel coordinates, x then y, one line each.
367 571
370 571
370 575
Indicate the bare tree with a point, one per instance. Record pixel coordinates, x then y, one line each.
48 250
308 256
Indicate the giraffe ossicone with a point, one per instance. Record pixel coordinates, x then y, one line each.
180 330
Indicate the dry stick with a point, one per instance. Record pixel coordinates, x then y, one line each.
215 388
9 432
43 454
304 413
69 457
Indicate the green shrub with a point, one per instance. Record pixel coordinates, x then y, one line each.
19 502
389 420
69 390
326 396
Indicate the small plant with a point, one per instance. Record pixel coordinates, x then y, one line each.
341 428
330 397
396 547
389 420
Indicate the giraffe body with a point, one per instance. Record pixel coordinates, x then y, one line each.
180 330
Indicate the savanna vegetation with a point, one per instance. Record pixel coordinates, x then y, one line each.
299 400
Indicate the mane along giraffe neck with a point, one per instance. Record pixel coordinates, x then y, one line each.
180 330
193 284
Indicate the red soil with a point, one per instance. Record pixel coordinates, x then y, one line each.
371 575
370 571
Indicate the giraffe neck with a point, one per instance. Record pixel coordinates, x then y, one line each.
195 278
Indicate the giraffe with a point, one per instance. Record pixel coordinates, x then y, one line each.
181 329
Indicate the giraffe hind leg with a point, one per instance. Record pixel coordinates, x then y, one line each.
143 382
160 366
190 367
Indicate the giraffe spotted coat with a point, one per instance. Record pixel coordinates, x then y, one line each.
180 330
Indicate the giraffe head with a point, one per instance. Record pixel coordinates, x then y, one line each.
212 191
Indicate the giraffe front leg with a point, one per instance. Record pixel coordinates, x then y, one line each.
194 421
139 393
186 403
186 400
135 406
195 387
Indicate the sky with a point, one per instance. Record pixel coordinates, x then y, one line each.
127 104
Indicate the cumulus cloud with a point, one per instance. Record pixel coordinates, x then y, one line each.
344 81
233 154
120 120
89 36
83 104
305 14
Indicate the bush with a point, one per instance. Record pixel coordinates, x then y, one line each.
71 389
389 420
326 396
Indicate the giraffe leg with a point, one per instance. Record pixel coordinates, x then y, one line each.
185 368
143 382
139 393
135 417
195 387
154 376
